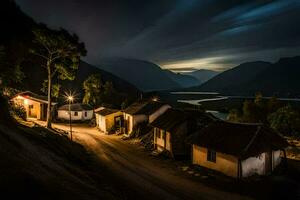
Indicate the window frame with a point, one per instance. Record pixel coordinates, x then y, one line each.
211 156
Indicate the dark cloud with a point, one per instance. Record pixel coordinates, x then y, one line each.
178 33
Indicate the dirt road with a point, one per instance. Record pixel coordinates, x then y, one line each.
137 169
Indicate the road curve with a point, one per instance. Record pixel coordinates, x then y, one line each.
136 168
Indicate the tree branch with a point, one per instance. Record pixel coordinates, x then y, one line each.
52 75
40 55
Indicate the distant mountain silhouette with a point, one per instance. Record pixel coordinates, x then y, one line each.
280 78
202 75
33 81
183 80
144 75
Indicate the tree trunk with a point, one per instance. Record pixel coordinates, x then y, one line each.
49 96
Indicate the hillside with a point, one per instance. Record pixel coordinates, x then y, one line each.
183 80
144 75
235 80
280 78
37 163
17 40
202 75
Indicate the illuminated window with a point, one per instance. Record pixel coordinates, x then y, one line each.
211 155
75 113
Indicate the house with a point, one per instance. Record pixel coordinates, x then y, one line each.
237 150
107 118
34 104
173 127
79 112
140 112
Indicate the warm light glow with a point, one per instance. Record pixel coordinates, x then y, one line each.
26 102
155 99
19 97
70 98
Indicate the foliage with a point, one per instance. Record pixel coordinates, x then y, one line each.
60 52
92 87
55 90
286 121
108 92
124 104
270 112
98 94
10 72
255 111
234 115
18 111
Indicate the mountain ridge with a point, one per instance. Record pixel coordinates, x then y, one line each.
278 78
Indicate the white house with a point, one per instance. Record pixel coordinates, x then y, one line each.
140 112
107 118
238 150
79 112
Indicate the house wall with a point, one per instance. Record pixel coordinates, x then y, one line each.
134 120
110 120
226 164
256 165
163 142
90 115
63 114
159 112
129 122
276 158
101 122
35 109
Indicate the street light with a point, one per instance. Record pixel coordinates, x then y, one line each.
70 100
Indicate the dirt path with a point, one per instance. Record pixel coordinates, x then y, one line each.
137 169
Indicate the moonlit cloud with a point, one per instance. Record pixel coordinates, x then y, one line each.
178 34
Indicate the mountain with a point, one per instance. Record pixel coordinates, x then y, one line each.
202 75
280 78
33 81
145 75
183 80
235 79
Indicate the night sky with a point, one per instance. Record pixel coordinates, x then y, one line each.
178 34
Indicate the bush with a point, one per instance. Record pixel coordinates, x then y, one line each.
18 111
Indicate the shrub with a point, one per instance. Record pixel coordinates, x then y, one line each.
18 111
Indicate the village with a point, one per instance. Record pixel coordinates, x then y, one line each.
149 100
207 141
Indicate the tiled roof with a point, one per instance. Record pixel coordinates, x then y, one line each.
241 140
146 108
34 97
76 107
106 111
173 117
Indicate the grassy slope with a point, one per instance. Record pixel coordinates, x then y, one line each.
39 164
